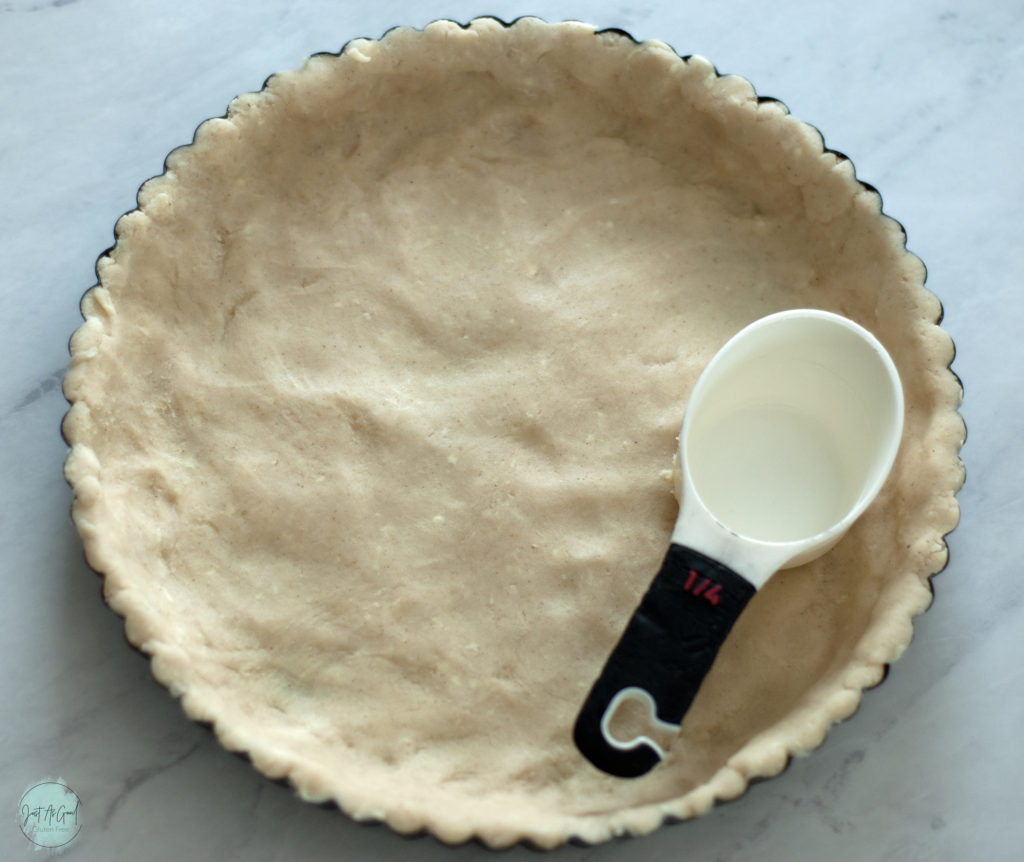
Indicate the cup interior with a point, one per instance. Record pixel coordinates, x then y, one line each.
793 427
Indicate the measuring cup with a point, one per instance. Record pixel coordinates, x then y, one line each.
789 434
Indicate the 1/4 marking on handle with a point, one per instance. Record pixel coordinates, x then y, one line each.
706 588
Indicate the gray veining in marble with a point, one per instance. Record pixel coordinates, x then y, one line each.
924 96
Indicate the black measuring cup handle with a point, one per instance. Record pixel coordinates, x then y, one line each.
667 649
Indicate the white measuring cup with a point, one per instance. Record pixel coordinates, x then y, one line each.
789 434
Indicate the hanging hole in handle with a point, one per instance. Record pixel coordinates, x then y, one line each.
631 720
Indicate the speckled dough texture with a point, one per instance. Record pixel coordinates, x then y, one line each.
375 403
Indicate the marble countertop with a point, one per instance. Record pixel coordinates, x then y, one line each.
924 96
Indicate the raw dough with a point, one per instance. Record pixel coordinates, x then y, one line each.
374 410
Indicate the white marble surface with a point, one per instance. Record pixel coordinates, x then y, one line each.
926 98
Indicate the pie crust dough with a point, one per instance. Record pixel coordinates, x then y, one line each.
374 406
